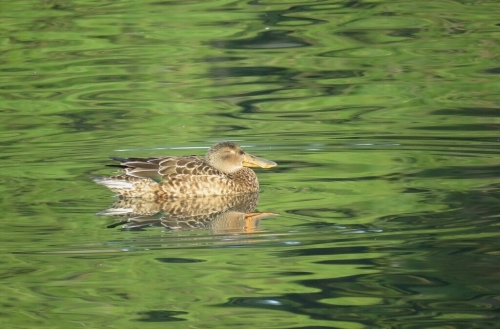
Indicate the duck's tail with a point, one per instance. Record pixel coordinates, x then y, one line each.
130 187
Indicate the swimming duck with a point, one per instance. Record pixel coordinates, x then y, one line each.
225 169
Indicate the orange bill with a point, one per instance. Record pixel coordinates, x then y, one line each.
254 162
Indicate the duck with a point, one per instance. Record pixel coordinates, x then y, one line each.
224 170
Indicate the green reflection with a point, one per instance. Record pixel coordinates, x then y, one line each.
382 116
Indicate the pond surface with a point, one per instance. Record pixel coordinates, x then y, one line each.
380 115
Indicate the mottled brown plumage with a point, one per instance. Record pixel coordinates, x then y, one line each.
223 170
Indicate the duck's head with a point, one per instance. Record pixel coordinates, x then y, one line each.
228 157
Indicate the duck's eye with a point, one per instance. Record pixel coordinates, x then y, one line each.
241 152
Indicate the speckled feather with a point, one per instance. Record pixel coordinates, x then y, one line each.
160 177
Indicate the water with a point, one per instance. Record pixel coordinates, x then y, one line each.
381 116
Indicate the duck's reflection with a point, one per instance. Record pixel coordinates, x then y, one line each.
219 214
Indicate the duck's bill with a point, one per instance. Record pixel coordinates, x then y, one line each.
255 162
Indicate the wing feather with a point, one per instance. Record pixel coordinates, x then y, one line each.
192 165
167 167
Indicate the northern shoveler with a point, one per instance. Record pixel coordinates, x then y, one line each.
223 170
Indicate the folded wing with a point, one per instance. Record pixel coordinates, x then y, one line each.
158 168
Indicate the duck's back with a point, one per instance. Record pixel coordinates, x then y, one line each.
159 177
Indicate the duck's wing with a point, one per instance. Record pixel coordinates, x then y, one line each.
192 166
158 168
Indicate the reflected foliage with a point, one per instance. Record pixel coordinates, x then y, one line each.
382 116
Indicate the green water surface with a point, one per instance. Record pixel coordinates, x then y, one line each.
381 116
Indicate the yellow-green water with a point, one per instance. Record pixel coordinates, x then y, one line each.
384 120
